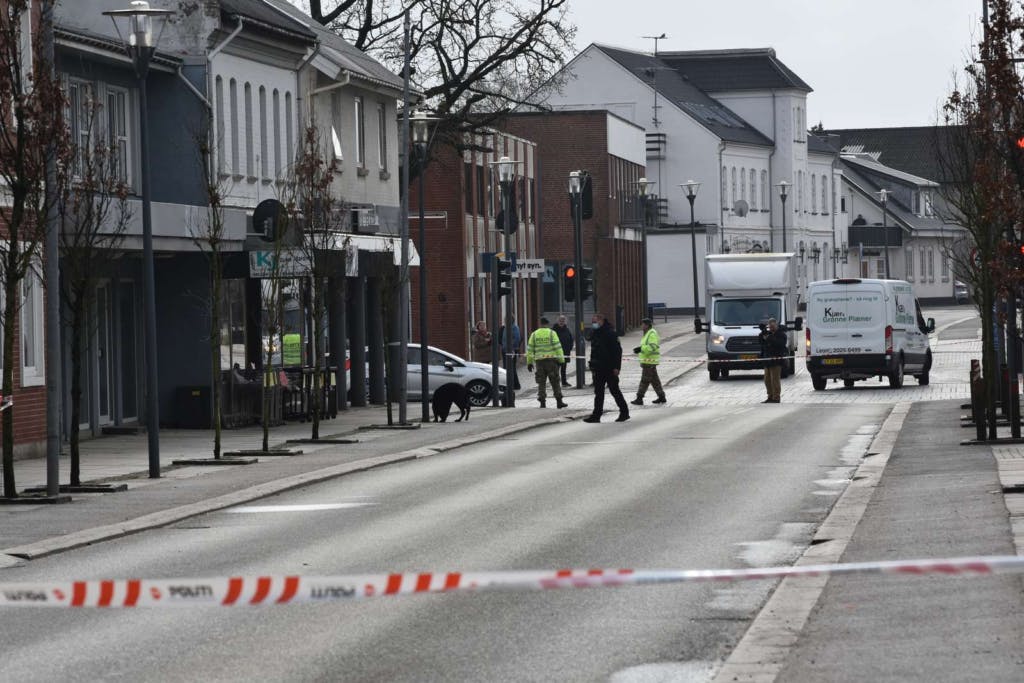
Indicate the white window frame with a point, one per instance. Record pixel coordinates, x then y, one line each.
743 183
32 302
122 137
264 143
250 131
360 132
765 199
753 189
382 136
814 193
931 265
725 186
824 194
909 258
236 158
336 127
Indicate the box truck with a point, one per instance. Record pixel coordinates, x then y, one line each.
742 292
860 328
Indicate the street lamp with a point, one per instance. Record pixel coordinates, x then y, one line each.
507 176
883 196
140 46
421 140
691 187
783 195
643 185
576 181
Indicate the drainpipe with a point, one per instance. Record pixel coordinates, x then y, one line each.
721 195
298 84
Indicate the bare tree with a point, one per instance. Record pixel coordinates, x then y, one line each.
474 60
31 136
981 160
93 216
312 202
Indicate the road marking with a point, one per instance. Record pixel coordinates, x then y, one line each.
310 507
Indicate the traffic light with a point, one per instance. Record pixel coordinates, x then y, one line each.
504 284
586 283
569 283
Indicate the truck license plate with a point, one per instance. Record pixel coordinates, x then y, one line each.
832 361
749 356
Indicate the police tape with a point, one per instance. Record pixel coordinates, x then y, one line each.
240 591
674 359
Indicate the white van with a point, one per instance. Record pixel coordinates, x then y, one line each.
860 328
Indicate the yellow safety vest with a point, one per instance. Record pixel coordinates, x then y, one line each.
291 351
650 348
541 346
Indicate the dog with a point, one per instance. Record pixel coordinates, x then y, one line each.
445 396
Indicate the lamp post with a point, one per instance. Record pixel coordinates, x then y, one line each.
420 140
576 180
783 195
643 185
140 46
506 176
691 187
883 196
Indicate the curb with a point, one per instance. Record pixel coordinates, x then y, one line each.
57 544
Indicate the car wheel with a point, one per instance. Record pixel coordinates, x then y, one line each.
479 393
848 383
896 376
818 382
714 373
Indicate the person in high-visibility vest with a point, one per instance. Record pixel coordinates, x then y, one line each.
545 348
291 349
649 352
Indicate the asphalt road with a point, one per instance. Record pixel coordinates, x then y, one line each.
729 486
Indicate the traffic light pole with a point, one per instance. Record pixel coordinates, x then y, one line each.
510 357
577 225
495 353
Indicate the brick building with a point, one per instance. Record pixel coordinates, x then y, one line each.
613 151
462 201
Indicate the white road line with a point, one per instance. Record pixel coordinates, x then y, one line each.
310 507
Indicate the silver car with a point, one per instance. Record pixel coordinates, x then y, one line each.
446 368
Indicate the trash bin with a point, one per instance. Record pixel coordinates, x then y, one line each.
192 407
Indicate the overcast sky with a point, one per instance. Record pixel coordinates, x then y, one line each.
871 63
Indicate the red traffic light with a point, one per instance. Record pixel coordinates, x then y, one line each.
1020 143
570 272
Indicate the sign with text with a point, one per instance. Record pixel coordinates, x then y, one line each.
529 267
288 263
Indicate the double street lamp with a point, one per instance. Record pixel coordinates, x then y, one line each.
691 187
140 44
421 141
783 195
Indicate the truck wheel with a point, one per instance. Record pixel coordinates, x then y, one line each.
848 383
896 376
818 382
714 373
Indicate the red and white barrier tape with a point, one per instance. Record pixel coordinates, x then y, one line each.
279 590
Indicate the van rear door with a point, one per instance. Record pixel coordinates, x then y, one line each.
827 330
866 318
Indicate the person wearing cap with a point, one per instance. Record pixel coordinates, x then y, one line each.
649 352
544 349
774 349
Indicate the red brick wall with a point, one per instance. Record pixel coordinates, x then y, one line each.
569 141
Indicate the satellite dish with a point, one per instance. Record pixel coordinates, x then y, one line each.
269 219
740 207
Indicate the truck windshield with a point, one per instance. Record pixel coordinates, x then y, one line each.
747 311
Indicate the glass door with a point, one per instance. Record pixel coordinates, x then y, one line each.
104 368
128 339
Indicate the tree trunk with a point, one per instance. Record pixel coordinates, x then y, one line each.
989 367
74 437
10 298
215 369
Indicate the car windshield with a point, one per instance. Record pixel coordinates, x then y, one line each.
746 311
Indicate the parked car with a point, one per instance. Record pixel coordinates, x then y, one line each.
445 368
960 292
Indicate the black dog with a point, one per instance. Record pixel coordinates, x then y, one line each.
445 396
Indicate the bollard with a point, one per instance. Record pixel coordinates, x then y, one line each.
977 399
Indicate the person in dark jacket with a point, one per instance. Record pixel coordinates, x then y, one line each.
773 347
605 363
564 336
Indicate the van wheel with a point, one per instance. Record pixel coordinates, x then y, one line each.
848 383
818 382
714 373
896 376
725 373
923 379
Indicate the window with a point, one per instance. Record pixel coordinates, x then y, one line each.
278 166
824 194
220 132
725 185
945 268
336 125
289 135
910 264
360 131
753 190
924 265
236 161
264 162
250 153
481 192
382 135
799 191
765 199
32 353
931 265
467 190
533 200
117 131
929 210
80 120
733 184
814 193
